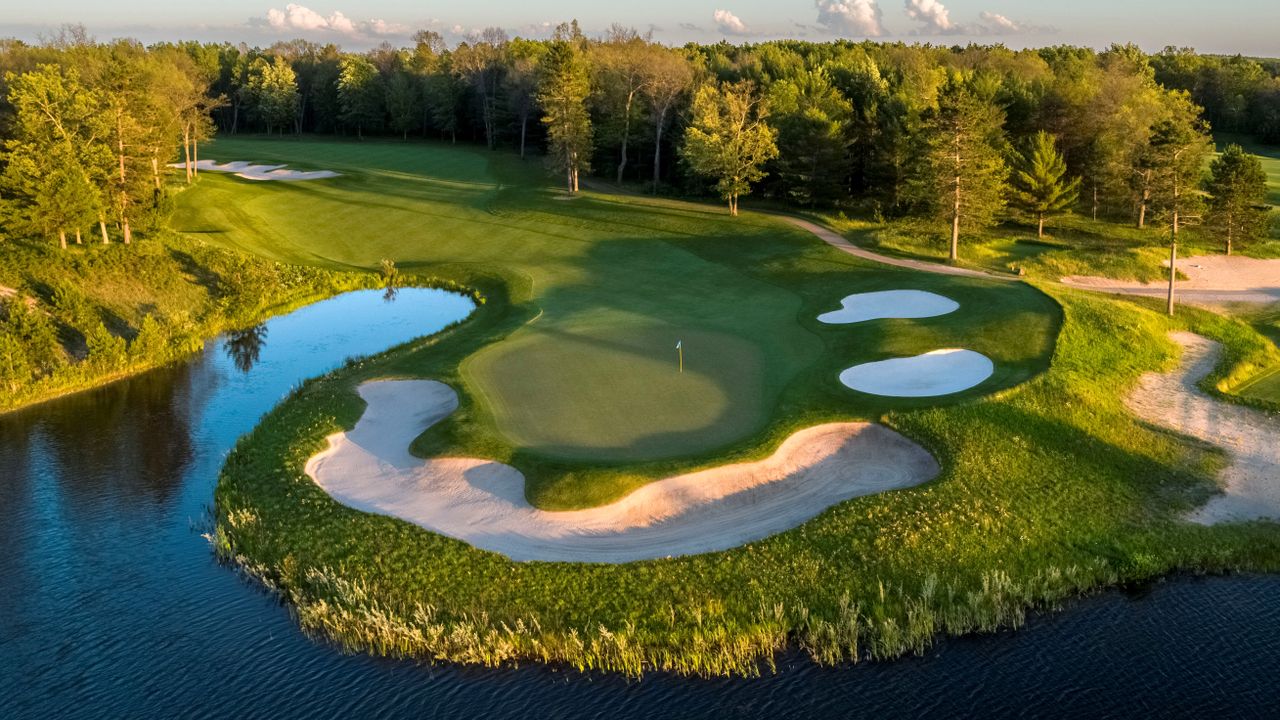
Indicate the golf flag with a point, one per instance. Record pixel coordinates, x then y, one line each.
680 350
677 344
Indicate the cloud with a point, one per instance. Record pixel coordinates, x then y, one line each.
935 19
691 27
728 23
850 17
933 16
297 18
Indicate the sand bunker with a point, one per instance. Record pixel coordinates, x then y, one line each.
1251 437
1211 279
889 304
940 372
482 502
249 171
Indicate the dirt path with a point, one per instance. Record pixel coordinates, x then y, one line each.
838 241
1211 280
1251 437
483 502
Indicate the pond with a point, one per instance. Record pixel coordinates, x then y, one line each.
111 604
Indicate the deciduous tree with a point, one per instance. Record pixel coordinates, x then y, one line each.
729 139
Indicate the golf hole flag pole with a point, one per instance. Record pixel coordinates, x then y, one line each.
680 352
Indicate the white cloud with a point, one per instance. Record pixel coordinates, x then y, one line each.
728 23
933 16
934 19
297 18
999 23
850 17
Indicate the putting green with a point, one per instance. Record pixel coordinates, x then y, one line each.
573 376
616 393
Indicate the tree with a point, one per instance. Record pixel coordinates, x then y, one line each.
562 93
621 69
443 91
521 82
1041 186
964 178
1237 188
403 99
812 119
360 94
669 76
1174 157
479 62
273 87
729 139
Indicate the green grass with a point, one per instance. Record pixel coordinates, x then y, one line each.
574 380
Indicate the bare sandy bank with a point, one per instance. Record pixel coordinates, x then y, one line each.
483 503
1211 279
1251 437
249 171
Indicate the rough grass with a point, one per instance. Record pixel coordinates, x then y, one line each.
574 377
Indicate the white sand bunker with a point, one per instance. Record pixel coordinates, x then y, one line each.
483 503
889 304
1251 482
249 171
940 372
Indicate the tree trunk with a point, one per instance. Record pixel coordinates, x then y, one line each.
155 171
128 233
1173 272
1229 229
955 223
1142 205
1095 202
657 149
102 225
195 157
79 240
186 150
626 135
235 117
1040 228
524 124
62 239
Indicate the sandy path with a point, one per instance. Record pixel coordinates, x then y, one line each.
483 503
838 241
1250 437
1212 279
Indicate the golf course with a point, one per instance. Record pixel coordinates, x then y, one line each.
567 379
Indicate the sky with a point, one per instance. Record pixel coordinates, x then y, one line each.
1250 27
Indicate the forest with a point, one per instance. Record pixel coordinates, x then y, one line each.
97 137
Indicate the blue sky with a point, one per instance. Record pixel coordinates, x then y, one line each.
1246 26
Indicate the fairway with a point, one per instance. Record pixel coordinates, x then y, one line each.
582 367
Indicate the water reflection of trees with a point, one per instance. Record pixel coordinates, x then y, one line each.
244 347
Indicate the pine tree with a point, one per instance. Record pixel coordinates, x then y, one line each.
1041 186
964 177
1237 188
729 139
562 93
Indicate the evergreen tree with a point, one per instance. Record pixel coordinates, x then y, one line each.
964 178
562 94
1237 188
728 139
1041 186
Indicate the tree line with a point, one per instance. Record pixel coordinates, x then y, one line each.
969 134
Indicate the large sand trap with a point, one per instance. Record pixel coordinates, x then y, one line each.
940 372
1211 279
249 171
482 502
860 307
1251 437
